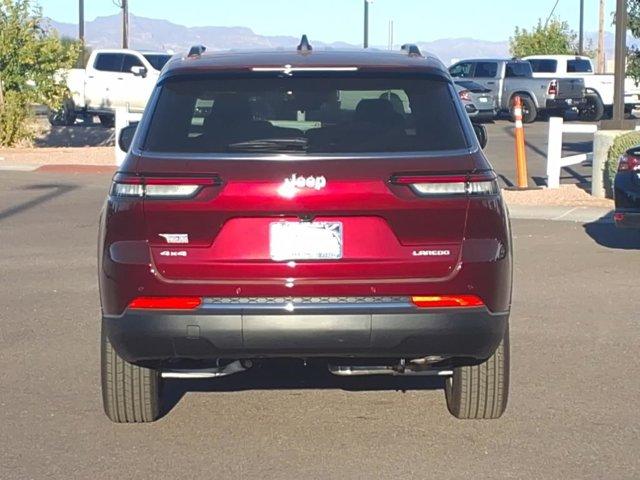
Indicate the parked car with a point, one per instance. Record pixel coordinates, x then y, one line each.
331 205
510 78
478 101
113 78
627 190
598 88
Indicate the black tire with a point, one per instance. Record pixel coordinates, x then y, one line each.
481 133
65 116
481 391
593 109
529 110
130 394
107 121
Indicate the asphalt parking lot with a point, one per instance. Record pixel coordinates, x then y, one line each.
501 147
573 410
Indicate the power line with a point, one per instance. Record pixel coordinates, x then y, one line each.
551 14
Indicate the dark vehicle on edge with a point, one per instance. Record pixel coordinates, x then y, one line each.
330 206
627 190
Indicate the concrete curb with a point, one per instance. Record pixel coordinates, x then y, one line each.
561 213
18 168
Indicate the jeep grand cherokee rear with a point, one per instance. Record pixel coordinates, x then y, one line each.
314 205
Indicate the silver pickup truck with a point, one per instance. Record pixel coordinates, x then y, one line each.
508 78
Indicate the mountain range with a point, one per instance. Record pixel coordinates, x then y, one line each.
155 34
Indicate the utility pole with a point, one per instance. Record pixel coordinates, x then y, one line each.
366 24
618 123
581 41
601 53
125 23
81 31
390 35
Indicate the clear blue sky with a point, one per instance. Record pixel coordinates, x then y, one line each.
341 20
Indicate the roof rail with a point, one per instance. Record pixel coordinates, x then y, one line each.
411 49
196 51
304 46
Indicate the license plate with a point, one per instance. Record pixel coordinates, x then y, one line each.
483 99
305 240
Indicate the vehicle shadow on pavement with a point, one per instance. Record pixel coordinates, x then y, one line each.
56 190
293 376
605 233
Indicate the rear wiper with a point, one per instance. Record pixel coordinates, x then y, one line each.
270 144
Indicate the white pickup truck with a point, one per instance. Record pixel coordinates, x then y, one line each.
113 78
598 88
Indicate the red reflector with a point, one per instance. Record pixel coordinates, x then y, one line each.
440 301
618 217
166 303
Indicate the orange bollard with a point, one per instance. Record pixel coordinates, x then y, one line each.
522 176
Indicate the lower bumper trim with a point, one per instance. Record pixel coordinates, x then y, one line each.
141 336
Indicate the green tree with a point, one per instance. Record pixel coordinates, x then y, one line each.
30 58
633 60
553 38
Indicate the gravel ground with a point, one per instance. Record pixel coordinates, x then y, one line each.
57 156
566 195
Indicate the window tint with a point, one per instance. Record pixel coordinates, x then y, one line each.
579 65
462 70
543 65
131 61
109 62
157 61
332 114
486 70
518 70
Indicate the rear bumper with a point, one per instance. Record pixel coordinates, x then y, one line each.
626 219
563 103
327 331
483 115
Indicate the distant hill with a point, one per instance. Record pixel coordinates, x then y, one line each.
154 34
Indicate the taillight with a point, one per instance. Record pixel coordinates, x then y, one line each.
446 301
166 303
553 87
628 163
465 95
160 187
438 185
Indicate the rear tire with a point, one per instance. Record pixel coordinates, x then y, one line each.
65 116
481 391
593 110
107 121
529 110
130 394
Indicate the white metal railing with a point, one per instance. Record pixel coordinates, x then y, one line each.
555 160
124 117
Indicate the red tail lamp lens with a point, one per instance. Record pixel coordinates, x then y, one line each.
442 301
166 303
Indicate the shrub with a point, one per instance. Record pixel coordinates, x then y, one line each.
30 59
620 145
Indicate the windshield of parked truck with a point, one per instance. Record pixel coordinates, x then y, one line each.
543 65
157 61
304 114
579 65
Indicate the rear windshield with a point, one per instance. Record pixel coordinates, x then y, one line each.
579 65
157 61
305 115
518 70
472 86
543 65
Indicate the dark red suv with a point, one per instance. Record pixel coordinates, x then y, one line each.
330 206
